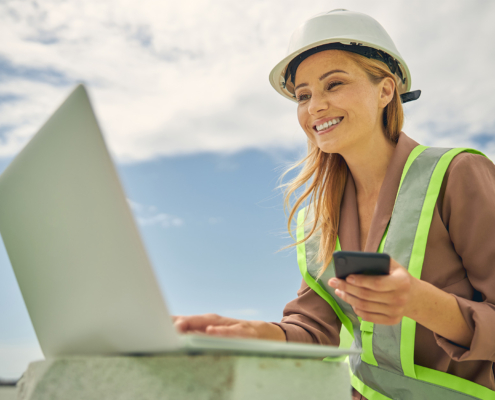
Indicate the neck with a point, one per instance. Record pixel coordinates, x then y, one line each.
368 164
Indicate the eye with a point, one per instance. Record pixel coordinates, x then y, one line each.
331 85
303 97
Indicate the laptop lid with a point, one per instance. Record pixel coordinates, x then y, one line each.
75 249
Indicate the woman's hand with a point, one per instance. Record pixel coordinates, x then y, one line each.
213 324
383 299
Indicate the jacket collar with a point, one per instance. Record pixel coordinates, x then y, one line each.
349 231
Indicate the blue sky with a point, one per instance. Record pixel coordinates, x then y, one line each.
200 138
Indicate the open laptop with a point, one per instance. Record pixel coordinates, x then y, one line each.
78 257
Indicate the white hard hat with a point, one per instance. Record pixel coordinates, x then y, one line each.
342 30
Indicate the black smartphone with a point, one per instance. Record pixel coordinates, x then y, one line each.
359 262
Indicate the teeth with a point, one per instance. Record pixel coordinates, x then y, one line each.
328 124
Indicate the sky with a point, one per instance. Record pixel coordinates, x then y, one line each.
199 136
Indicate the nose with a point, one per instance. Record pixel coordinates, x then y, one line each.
318 102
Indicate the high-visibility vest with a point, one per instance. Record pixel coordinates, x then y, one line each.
385 369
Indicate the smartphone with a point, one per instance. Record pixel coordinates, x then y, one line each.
359 262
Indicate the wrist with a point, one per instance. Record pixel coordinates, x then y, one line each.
269 331
416 291
439 312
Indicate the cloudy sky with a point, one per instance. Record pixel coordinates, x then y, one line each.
199 136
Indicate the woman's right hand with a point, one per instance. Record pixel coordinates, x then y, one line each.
213 324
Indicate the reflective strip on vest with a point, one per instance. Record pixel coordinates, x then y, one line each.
386 368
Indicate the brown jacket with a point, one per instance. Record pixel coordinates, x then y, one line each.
459 259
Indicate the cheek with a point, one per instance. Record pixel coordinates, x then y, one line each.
366 105
303 117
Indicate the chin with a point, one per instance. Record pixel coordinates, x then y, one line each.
331 146
330 151
341 144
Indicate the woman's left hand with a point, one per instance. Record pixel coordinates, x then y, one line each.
382 299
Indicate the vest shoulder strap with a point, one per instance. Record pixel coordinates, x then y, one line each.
310 280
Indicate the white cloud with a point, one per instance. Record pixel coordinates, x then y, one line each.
183 77
149 215
161 219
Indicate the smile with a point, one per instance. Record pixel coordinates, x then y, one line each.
327 124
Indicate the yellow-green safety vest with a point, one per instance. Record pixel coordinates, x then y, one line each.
385 368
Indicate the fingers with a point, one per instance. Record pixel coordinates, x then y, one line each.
361 304
236 330
364 305
199 323
398 279
378 299
381 283
213 324
381 313
362 292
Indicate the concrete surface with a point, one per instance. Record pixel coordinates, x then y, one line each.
183 377
8 393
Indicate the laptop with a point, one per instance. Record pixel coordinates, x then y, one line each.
79 260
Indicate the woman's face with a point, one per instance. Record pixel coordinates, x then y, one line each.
339 108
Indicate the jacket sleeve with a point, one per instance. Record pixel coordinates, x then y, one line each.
310 319
468 212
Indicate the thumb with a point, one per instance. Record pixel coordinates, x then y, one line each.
394 266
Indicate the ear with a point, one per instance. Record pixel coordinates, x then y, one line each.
387 89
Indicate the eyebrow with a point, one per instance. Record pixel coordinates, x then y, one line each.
333 71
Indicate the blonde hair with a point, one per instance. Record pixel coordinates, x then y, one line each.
324 175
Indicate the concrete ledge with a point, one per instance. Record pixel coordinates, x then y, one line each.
8 389
8 393
183 377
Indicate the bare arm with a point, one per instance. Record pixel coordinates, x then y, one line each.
439 312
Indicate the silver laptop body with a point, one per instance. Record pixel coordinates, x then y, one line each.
78 257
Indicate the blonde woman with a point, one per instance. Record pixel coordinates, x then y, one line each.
426 329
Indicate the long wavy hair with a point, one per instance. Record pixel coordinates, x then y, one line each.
324 175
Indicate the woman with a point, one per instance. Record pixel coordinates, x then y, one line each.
425 330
